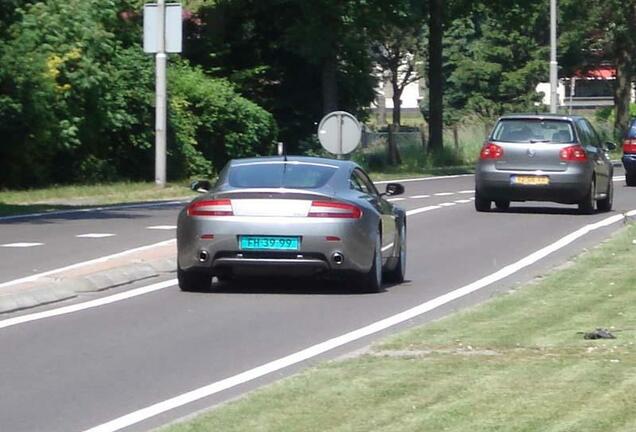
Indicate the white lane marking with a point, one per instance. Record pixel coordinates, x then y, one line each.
396 199
387 247
95 235
618 178
419 196
421 210
463 201
467 191
84 263
448 204
338 341
407 180
87 305
162 227
95 209
444 193
21 245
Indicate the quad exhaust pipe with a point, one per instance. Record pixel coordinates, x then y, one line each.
337 258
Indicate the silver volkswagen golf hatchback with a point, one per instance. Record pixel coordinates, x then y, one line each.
544 157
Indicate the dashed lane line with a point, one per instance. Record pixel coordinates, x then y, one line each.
95 235
85 263
162 227
21 245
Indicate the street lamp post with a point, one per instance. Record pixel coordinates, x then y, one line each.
553 56
160 106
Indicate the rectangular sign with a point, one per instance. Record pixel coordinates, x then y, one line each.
174 28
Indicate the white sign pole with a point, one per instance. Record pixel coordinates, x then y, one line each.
160 106
553 57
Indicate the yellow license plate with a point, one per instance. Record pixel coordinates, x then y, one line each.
530 180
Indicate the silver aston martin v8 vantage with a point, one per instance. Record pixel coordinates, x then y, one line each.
293 216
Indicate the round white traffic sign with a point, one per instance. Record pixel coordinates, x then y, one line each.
339 132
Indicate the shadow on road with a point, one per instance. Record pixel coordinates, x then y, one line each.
290 286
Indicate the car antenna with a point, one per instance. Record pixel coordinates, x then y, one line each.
282 150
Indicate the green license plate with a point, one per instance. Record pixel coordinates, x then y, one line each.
273 243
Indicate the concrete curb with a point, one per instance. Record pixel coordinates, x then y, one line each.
50 290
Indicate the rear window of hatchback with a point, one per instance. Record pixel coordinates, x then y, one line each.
533 130
291 175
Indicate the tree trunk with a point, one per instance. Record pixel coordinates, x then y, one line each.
393 152
623 90
435 77
456 137
397 108
329 85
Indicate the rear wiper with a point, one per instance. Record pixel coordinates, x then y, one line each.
539 140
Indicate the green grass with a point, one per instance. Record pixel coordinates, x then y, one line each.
69 197
515 363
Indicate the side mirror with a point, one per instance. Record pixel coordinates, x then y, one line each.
393 189
201 186
610 145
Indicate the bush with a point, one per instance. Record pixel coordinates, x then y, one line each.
212 124
77 96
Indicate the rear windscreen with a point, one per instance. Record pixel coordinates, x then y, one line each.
280 175
533 130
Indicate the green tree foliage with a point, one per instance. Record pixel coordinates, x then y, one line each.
212 124
292 57
495 55
602 32
77 94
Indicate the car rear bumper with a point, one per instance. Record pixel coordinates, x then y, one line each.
567 187
316 253
629 162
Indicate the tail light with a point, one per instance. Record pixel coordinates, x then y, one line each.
334 209
215 207
629 146
574 153
491 151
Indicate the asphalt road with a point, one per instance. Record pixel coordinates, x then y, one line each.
80 370
34 245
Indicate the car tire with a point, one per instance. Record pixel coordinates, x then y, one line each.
193 281
630 178
606 203
588 203
371 281
396 275
482 204
502 204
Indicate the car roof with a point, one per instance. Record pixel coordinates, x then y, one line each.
540 116
304 159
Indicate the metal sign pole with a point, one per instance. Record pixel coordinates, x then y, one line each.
160 107
339 122
553 56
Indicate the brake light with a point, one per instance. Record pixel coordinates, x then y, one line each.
574 153
491 151
215 207
334 209
629 146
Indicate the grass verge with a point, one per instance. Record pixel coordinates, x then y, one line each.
70 197
515 363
